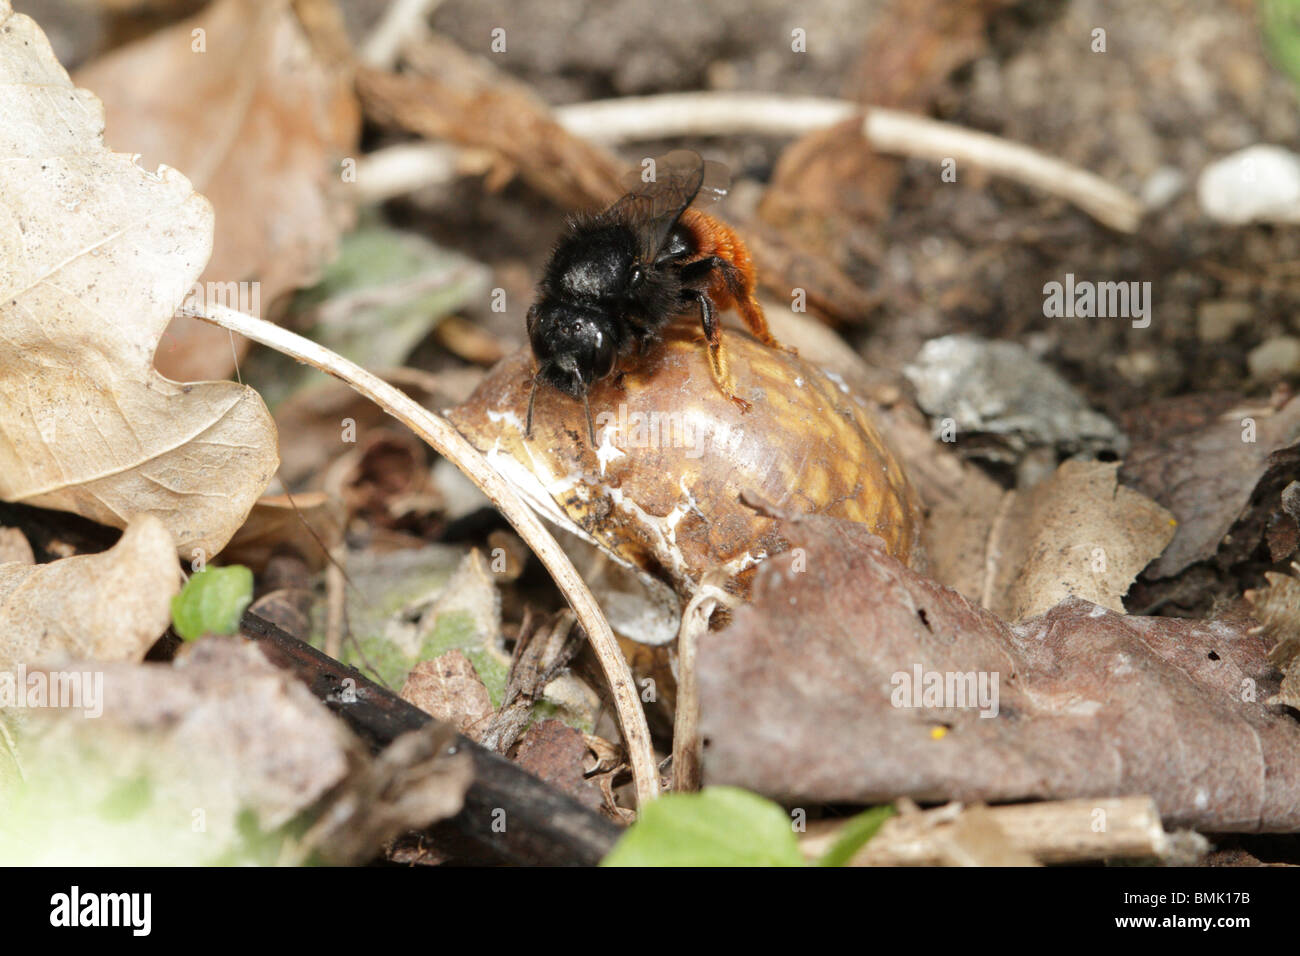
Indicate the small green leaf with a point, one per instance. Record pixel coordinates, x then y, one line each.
720 826
212 602
855 834
1280 21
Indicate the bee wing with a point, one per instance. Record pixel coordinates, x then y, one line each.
676 181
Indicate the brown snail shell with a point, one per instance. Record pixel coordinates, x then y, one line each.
669 489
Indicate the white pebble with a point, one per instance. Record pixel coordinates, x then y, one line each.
1258 183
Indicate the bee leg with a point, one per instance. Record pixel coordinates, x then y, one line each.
717 355
741 292
747 305
532 397
591 429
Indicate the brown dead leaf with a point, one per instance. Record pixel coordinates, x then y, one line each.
385 479
260 122
106 607
1277 607
556 753
1077 534
103 257
915 45
221 719
14 546
453 95
1018 553
307 524
827 185
831 183
317 422
449 689
797 697
1204 458
418 779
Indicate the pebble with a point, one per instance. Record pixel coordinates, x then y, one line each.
1258 183
1217 319
1274 358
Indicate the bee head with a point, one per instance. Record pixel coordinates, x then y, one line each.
574 347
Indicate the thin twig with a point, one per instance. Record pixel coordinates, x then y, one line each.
891 131
335 599
686 719
449 443
403 20
675 115
1064 831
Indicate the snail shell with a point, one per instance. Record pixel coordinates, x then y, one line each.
669 490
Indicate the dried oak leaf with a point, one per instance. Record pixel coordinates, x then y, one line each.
306 524
1077 534
95 256
14 546
104 607
259 121
796 697
1205 459
217 734
449 689
1277 607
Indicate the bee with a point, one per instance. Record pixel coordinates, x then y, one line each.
617 278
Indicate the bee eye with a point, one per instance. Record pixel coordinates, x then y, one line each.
636 277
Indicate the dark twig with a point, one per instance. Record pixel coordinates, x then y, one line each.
509 815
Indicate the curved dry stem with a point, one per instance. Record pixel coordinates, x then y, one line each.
673 115
449 443
687 743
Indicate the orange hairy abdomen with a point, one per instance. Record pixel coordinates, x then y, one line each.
714 238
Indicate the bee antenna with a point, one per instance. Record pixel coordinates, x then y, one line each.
528 424
591 429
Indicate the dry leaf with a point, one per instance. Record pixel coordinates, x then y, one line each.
95 256
204 760
306 524
418 779
797 697
315 420
260 125
1277 607
1078 534
180 756
1205 459
14 546
449 689
556 753
105 607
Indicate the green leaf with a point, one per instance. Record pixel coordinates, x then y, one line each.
855 834
1280 21
212 602
720 826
